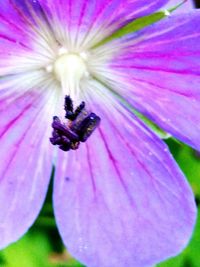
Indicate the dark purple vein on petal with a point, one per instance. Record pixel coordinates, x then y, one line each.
162 87
186 71
20 141
143 167
114 163
90 168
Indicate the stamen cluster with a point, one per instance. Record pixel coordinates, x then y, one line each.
80 126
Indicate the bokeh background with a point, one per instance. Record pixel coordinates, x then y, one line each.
42 246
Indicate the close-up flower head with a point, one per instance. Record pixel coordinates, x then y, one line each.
89 90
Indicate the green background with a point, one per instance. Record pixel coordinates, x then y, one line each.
42 246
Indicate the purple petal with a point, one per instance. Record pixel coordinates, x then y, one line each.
25 12
13 21
186 7
76 22
121 200
95 19
14 41
11 38
19 24
159 73
26 162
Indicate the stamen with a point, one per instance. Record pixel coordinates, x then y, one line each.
80 126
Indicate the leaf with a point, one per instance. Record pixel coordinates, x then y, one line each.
32 250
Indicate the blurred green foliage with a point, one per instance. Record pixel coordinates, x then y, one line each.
42 246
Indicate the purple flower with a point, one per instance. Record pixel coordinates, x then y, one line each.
188 5
120 199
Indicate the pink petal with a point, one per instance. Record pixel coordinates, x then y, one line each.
14 25
26 162
87 21
121 200
25 35
159 73
186 7
25 12
12 41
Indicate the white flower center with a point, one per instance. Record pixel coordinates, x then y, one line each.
69 70
70 66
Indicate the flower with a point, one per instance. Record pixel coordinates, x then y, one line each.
120 199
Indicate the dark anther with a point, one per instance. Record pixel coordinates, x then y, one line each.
70 113
81 124
87 126
68 103
63 130
68 106
79 110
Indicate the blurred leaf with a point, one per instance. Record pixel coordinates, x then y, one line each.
189 161
64 260
34 250
156 129
31 251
